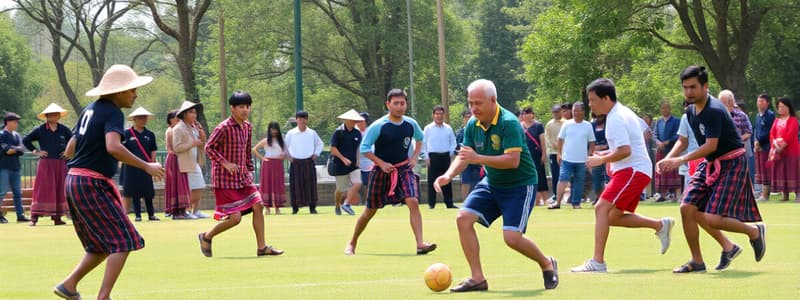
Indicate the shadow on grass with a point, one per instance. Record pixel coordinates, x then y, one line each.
515 293
638 271
734 274
240 257
388 254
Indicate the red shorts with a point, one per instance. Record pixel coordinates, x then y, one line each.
625 188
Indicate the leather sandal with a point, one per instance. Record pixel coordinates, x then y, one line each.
469 285
426 249
205 250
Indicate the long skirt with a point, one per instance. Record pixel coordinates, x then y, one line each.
763 174
785 177
667 180
176 186
97 214
49 195
273 191
303 182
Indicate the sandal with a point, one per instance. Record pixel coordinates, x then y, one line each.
426 249
268 250
205 250
691 267
62 292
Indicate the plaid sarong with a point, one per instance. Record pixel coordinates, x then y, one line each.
731 195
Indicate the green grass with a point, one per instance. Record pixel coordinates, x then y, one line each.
171 266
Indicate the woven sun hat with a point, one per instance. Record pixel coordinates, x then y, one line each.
187 105
51 109
351 115
118 78
140 112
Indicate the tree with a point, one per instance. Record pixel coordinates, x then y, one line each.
497 59
82 26
17 88
185 31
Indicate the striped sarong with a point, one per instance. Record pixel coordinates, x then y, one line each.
49 194
97 215
730 195
303 182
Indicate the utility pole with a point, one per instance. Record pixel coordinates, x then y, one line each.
442 61
223 81
298 58
410 61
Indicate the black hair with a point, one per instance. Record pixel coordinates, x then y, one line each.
567 106
788 103
274 125
365 115
240 97
171 115
695 71
301 114
465 112
395 93
765 96
603 87
527 110
438 107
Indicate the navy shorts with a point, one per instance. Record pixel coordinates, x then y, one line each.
513 203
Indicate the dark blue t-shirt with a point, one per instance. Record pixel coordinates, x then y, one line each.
97 119
347 142
10 140
54 142
599 135
147 138
714 121
391 140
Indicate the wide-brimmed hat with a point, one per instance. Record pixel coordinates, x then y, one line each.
140 112
187 105
351 115
52 109
118 78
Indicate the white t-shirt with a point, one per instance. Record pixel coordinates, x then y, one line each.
576 138
303 144
273 151
623 129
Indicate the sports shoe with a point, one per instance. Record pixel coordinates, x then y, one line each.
551 277
337 211
657 197
761 199
727 256
469 285
590 266
200 215
348 209
3 220
760 243
690 267
190 216
664 235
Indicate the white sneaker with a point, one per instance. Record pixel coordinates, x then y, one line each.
665 234
200 215
590 266
657 196
190 216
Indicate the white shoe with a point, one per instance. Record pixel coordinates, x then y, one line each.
190 216
200 215
657 196
590 266
665 234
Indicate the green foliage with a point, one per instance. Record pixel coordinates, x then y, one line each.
17 84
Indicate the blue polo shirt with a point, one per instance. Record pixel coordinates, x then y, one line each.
10 140
762 127
392 141
97 119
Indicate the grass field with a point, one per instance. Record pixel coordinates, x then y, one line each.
33 260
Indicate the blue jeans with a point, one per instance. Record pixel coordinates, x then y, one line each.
12 178
575 173
599 178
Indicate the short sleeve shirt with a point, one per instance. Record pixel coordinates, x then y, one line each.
97 119
504 135
147 138
714 121
576 138
347 142
623 129
392 141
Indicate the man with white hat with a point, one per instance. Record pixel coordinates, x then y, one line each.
188 141
10 150
49 198
94 202
344 148
136 183
304 146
